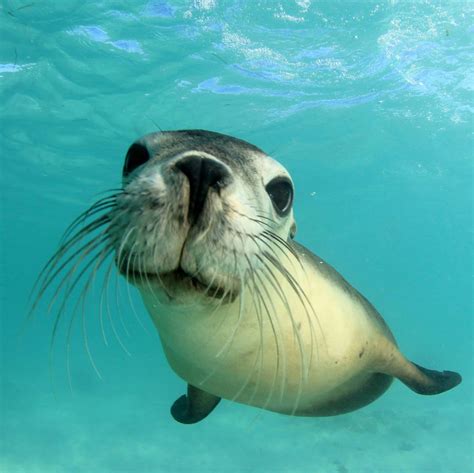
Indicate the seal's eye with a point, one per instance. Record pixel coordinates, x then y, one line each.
280 191
137 155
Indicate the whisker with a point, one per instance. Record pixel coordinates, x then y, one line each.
273 281
304 370
115 190
230 340
81 302
219 325
259 355
275 328
305 302
282 243
132 305
84 247
119 252
71 287
45 277
81 254
104 293
256 288
130 265
102 205
111 319
227 344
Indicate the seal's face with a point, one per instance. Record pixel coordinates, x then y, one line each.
197 211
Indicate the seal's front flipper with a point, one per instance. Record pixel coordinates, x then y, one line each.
425 381
195 406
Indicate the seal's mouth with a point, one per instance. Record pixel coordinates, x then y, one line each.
179 279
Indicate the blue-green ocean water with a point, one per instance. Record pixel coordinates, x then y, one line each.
368 104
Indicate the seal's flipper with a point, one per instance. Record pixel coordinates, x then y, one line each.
425 381
193 407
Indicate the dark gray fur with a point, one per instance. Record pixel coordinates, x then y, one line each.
236 153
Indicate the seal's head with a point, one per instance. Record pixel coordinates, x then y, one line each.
197 213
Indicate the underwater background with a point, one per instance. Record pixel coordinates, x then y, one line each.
368 105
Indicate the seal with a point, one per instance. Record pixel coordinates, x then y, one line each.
203 227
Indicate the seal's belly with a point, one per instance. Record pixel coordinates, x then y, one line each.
286 354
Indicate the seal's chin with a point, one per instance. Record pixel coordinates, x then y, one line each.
179 282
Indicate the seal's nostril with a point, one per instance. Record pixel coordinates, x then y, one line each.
202 173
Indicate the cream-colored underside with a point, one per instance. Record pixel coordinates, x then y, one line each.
258 352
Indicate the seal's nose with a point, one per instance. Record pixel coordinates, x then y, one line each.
202 173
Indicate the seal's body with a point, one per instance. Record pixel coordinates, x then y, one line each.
299 361
204 228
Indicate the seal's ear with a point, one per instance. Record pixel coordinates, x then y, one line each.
293 230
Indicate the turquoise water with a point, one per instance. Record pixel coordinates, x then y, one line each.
369 106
